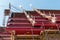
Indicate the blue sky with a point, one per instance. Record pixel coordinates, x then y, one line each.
41 4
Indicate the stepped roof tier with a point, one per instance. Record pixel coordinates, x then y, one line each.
39 24
22 25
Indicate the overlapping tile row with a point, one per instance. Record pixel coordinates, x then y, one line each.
19 22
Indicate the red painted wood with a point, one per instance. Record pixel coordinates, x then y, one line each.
19 19
25 30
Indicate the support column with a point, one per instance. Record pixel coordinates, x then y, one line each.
13 35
